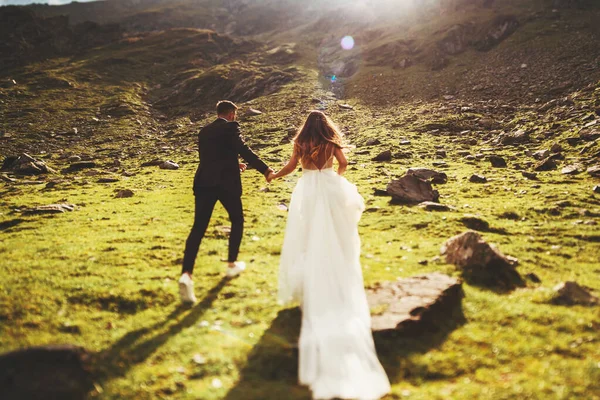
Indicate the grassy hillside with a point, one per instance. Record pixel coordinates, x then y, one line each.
104 275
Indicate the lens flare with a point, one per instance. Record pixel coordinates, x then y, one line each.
347 43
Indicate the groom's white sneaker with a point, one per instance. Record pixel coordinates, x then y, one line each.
237 269
186 289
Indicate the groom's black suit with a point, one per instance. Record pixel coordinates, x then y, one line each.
218 179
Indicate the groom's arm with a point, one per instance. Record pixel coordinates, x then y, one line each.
243 150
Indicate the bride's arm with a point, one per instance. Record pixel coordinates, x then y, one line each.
289 167
341 159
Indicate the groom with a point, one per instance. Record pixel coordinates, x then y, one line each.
218 179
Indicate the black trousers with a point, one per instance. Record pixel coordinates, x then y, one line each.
206 199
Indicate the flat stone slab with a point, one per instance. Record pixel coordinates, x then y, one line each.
416 303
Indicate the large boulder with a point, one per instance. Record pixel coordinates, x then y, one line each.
45 372
428 174
416 304
480 262
411 189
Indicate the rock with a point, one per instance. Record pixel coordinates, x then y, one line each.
73 159
345 107
49 209
497 161
475 223
384 156
79 165
169 165
405 142
7 178
417 304
124 193
439 164
477 178
529 175
571 293
594 171
252 112
597 189
428 174
440 154
24 164
432 206
541 154
556 148
546 164
533 278
152 163
373 142
498 30
410 189
480 262
572 169
380 192
517 137
46 372
589 135
108 179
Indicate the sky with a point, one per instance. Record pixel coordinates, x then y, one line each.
53 2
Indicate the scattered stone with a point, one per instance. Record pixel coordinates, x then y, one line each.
480 262
24 164
153 163
556 148
546 164
79 165
563 203
428 174
73 159
410 189
124 193
529 175
439 164
414 304
594 171
46 372
169 165
517 137
541 154
252 112
440 154
380 192
7 178
475 223
572 169
345 107
404 142
108 180
373 142
597 189
497 161
477 178
432 206
533 278
49 209
384 156
571 293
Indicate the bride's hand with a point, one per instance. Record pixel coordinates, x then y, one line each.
271 176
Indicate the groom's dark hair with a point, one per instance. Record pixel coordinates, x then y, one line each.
225 107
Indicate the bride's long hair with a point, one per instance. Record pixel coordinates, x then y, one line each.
318 138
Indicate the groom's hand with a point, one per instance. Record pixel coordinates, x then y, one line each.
243 167
269 174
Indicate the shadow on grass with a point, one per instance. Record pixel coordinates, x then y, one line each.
128 351
271 371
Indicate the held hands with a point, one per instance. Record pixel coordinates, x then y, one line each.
270 175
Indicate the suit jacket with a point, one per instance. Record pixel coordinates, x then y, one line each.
219 144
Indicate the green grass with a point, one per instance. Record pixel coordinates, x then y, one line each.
110 269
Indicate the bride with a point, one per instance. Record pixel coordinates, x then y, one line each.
320 269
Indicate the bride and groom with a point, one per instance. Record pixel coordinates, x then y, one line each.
319 268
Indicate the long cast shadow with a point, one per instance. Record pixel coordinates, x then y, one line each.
271 372
128 351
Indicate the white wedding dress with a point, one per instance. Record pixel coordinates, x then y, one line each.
320 269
